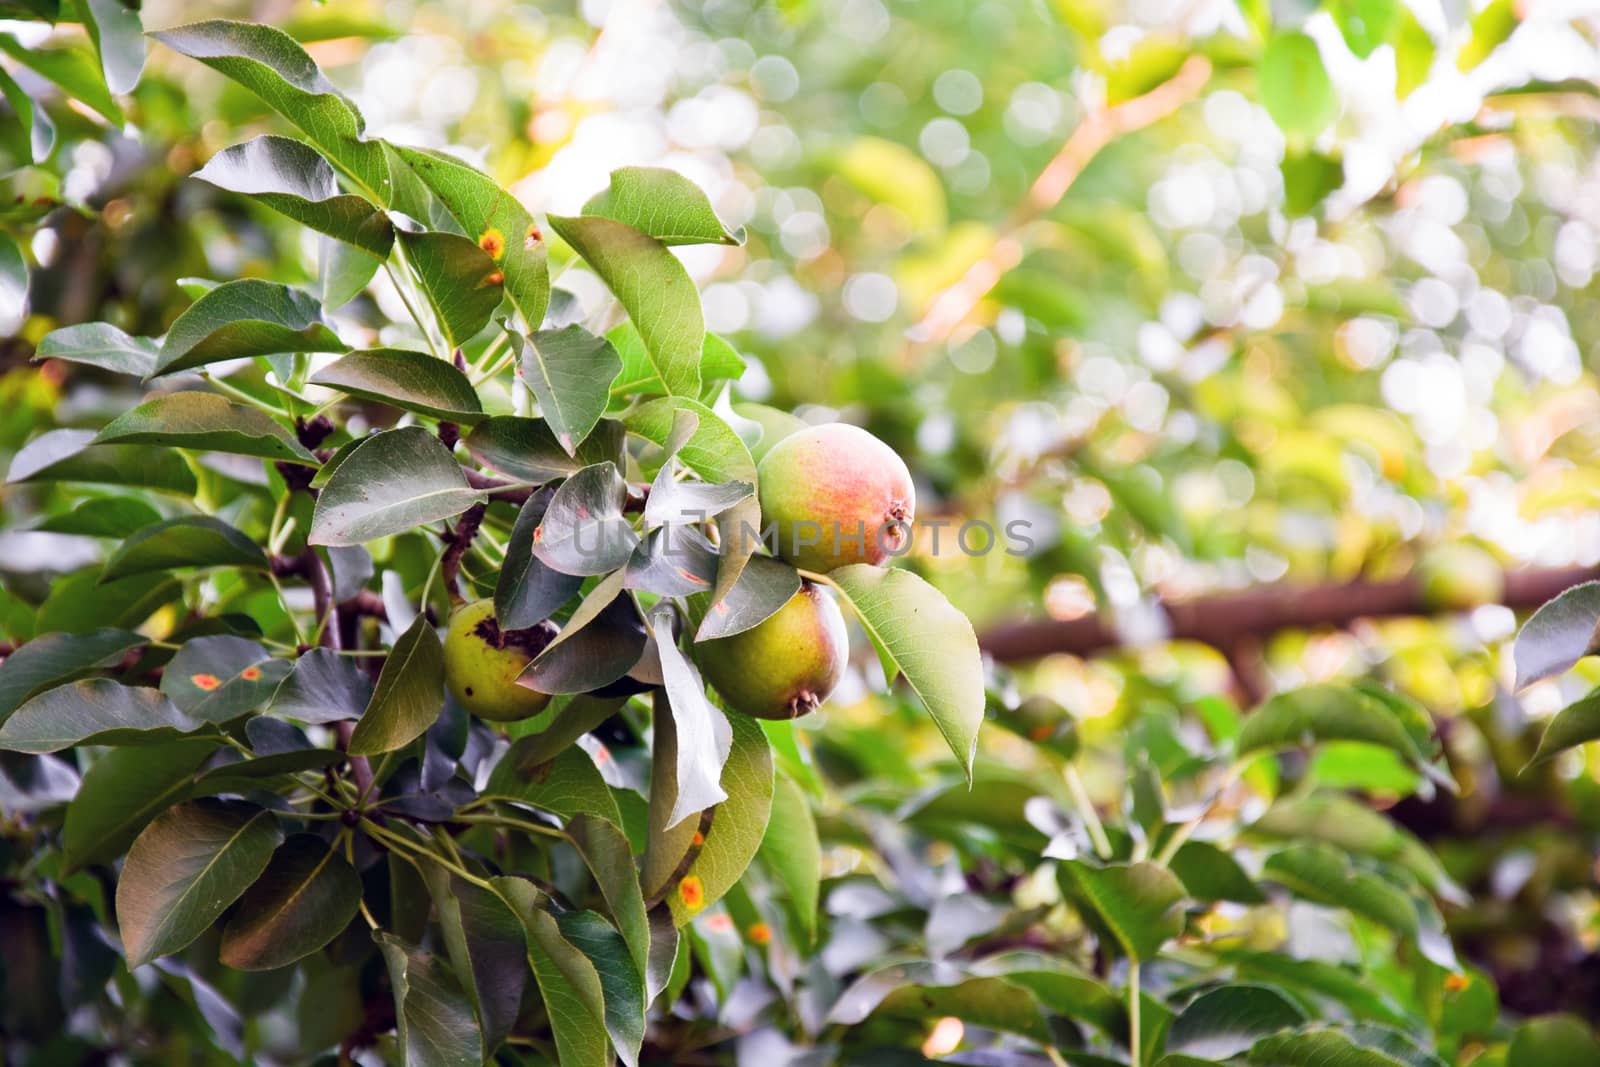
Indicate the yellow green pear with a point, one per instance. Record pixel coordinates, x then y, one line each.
785 666
482 662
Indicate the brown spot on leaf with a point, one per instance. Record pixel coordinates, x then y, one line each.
207 682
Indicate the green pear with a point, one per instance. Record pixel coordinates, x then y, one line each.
785 666
482 661
836 495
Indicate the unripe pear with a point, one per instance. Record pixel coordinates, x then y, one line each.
482 661
1459 577
837 495
785 666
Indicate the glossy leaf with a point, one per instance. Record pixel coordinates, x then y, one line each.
216 679
394 481
1226 1021
53 658
71 456
184 870
528 449
583 531
205 422
621 981
462 284
484 940
409 694
100 344
305 898
249 317
526 591
122 791
700 735
323 687
189 541
94 711
929 642
410 381
765 585
433 1017
607 854
1558 635
570 372
1135 908
568 784
573 995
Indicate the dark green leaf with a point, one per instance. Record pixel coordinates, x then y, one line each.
765 586
324 687
1226 1021
433 1017
79 604
249 317
1209 873
1360 1047
526 591
569 784
305 898
410 381
409 695
93 711
190 541
606 852
122 791
570 372
53 658
602 641
655 290
1553 1041
184 870
621 981
792 851
528 449
485 943
663 204
216 679
392 482
100 344
292 178
248 775
205 422
673 561
584 531
116 516
574 999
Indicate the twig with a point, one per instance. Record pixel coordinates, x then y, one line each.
466 528
950 307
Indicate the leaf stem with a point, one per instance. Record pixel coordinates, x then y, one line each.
511 824
1184 832
394 279
243 397
1134 1057
1091 818
395 840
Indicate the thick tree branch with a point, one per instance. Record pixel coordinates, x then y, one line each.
1230 621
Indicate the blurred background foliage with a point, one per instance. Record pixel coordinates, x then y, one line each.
1209 296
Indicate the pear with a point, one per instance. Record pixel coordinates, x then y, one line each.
785 666
836 495
482 661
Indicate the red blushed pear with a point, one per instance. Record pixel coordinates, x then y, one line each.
836 495
785 666
482 662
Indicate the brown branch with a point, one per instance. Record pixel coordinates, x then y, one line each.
1227 619
461 535
952 306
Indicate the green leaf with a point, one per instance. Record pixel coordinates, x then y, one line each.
71 456
792 851
921 991
79 604
93 711
249 317
1352 826
655 290
305 898
343 272
568 784
526 591
113 516
1414 50
1366 1046
39 135
621 982
485 943
72 69
122 791
1493 24
394 481
1061 987
1295 86
1559 634
100 344
1223 1022
603 640
1133 908
188 541
584 530
1321 875
1326 712
462 283
249 775
293 179
737 828
1209 873
218 678
1552 1041
493 218
1365 24
528 449
324 687
570 372
205 422
766 585
607 854
716 453
410 381
13 283
53 658
928 641
574 998
184 870
118 36
663 204
433 1017
271 65
409 695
